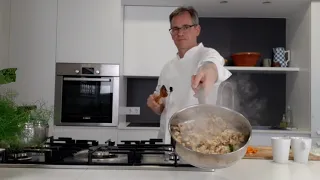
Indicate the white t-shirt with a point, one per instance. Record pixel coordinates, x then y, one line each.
177 74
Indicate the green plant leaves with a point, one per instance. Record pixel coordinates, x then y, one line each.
8 75
11 120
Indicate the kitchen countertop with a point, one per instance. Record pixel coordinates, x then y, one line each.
257 129
243 170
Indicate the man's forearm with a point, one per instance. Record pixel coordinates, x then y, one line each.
210 65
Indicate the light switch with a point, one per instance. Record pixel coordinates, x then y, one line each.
318 132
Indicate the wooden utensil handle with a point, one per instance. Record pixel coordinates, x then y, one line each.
157 99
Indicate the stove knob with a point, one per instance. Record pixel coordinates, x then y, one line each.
97 71
77 71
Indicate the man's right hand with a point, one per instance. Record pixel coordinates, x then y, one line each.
152 104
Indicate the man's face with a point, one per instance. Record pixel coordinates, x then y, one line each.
184 33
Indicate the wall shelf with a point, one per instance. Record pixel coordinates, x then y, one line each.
263 69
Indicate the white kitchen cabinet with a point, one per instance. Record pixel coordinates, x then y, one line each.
32 49
315 66
298 84
147 41
303 40
89 31
4 32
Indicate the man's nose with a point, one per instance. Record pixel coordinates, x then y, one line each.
180 32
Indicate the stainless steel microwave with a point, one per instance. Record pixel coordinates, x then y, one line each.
86 94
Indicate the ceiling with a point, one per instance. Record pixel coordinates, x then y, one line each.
232 8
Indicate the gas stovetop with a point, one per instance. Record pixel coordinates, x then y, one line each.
68 151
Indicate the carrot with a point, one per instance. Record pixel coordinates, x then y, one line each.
251 150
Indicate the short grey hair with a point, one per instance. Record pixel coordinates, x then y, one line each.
193 13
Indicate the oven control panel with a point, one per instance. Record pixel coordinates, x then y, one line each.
69 69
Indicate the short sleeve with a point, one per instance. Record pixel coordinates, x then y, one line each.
211 55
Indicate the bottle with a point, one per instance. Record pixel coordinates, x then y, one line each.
289 117
283 123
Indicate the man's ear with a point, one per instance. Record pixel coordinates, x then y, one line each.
198 28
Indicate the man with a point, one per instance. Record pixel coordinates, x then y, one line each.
194 67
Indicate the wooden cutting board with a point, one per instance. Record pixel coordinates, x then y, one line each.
265 152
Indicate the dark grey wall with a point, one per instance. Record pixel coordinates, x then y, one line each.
232 35
261 97
138 91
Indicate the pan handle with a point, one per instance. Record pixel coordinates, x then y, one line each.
201 95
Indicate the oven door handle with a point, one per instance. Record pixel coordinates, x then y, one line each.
87 79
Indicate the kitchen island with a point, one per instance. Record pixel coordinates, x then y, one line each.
244 170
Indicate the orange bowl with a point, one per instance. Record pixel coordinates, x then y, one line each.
245 58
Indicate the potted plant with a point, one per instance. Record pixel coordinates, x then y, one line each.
12 118
21 126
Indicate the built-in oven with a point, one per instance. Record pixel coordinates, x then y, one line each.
86 94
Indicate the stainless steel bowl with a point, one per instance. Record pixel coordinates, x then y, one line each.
211 161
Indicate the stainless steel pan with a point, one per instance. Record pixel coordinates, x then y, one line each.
197 112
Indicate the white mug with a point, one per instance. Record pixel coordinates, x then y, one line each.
280 149
301 147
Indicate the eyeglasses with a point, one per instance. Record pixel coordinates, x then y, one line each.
184 28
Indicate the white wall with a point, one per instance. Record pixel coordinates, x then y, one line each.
298 84
4 32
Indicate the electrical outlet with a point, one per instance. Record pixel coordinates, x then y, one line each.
130 110
134 110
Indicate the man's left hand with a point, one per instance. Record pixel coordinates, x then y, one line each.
205 78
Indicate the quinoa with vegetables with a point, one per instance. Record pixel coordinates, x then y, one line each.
208 136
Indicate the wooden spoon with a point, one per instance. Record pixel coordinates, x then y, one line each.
163 94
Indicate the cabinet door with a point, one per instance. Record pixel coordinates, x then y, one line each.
147 41
89 31
32 49
315 66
